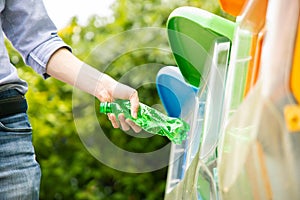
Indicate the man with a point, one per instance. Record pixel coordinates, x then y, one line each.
27 25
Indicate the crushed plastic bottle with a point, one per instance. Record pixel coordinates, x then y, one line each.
150 120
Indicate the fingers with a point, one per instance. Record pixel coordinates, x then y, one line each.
113 120
124 125
133 126
121 91
109 89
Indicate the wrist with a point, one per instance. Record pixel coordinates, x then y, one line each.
105 88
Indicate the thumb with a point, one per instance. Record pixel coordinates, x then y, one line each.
122 91
134 103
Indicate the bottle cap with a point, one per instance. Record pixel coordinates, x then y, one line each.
105 107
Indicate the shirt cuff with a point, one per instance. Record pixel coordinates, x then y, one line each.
39 57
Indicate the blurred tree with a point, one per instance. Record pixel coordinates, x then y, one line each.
69 170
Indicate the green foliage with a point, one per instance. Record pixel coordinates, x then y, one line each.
69 170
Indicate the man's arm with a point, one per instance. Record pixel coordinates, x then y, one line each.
64 66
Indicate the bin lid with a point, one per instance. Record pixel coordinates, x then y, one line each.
192 34
233 7
173 91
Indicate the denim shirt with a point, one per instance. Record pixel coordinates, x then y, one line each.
27 25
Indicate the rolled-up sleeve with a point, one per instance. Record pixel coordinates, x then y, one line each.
28 26
39 57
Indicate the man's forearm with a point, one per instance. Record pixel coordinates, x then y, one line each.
64 66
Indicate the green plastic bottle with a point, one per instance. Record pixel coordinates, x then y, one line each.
150 120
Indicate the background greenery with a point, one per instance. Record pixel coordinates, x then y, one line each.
69 171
